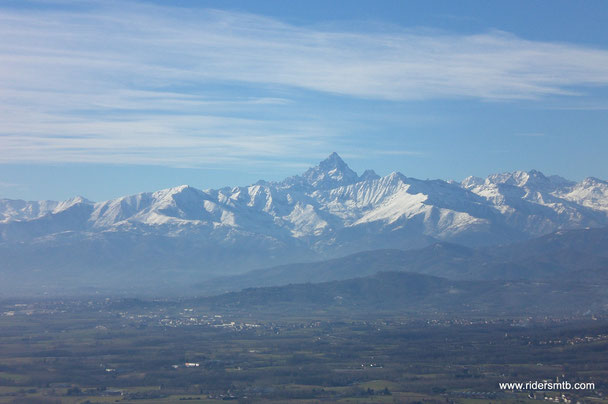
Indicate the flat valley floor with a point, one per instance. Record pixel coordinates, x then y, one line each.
105 350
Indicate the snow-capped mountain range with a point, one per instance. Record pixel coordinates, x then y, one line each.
326 212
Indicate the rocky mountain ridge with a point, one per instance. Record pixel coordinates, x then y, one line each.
329 211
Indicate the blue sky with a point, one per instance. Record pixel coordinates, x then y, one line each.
103 99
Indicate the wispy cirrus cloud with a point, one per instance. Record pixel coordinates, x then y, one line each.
133 83
8 184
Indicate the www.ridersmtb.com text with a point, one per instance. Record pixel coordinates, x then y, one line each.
564 385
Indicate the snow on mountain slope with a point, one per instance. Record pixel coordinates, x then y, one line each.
349 203
11 209
70 215
591 192
327 211
537 204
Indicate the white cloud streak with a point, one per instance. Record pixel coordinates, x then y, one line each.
130 83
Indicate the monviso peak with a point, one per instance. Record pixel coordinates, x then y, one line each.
330 173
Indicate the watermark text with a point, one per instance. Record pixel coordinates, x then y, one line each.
546 386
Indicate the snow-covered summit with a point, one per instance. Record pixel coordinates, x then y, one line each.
369 175
329 173
327 211
590 192
532 178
